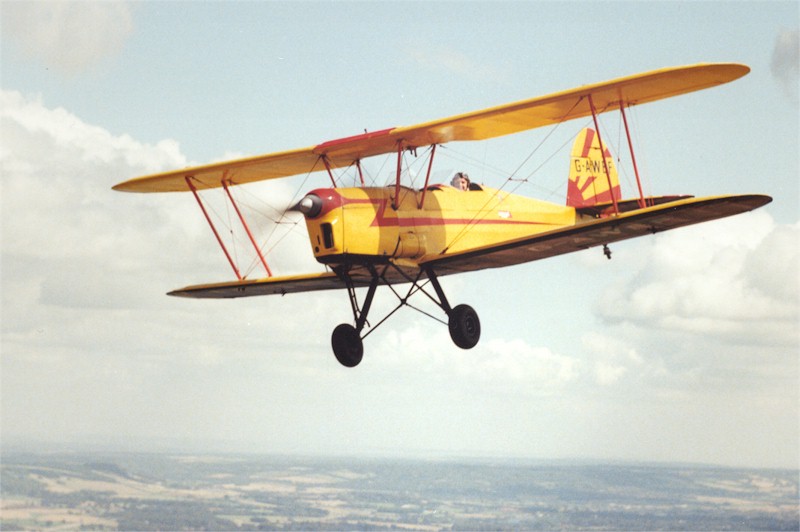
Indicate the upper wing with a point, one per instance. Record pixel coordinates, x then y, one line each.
567 105
238 171
598 232
488 123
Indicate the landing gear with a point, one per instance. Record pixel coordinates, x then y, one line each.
465 327
348 341
347 345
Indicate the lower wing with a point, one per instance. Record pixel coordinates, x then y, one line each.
358 276
640 222
262 287
597 232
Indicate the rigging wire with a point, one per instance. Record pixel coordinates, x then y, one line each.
284 220
643 172
483 211
220 219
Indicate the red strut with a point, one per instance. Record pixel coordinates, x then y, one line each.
642 202
396 203
213 229
427 176
603 154
246 228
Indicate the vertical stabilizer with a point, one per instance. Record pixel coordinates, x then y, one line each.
588 184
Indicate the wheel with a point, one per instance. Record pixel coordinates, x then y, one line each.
465 327
347 345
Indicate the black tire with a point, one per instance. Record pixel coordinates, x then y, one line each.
347 345
465 327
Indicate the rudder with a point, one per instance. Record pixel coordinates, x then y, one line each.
588 184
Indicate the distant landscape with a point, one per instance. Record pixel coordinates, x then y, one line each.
128 491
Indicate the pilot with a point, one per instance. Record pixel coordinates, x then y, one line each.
460 181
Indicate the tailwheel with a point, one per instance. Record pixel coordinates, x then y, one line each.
465 327
347 345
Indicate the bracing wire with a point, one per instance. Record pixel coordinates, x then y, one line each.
483 211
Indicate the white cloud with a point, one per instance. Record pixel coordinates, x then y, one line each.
494 366
91 346
613 358
57 198
65 35
62 222
734 279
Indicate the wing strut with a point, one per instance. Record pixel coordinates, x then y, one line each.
246 228
213 229
427 177
642 202
396 200
360 172
603 154
328 168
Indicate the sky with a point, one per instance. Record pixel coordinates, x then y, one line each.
682 348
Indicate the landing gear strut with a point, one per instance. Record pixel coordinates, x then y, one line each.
347 340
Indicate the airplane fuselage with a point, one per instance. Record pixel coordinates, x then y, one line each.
362 224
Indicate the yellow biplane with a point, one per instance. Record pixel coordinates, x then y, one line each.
368 236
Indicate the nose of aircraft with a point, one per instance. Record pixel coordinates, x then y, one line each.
310 206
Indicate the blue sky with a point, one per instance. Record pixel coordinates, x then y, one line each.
684 347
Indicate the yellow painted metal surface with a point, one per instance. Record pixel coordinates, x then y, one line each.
449 222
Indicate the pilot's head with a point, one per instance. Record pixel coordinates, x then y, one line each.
460 181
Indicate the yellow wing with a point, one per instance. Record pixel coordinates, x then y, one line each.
359 275
261 287
478 125
573 103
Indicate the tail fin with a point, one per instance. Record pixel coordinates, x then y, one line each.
588 184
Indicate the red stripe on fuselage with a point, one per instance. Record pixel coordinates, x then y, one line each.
332 199
381 220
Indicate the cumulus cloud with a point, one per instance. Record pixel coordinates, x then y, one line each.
87 332
612 358
59 207
77 255
68 36
494 366
785 64
57 176
65 244
734 279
